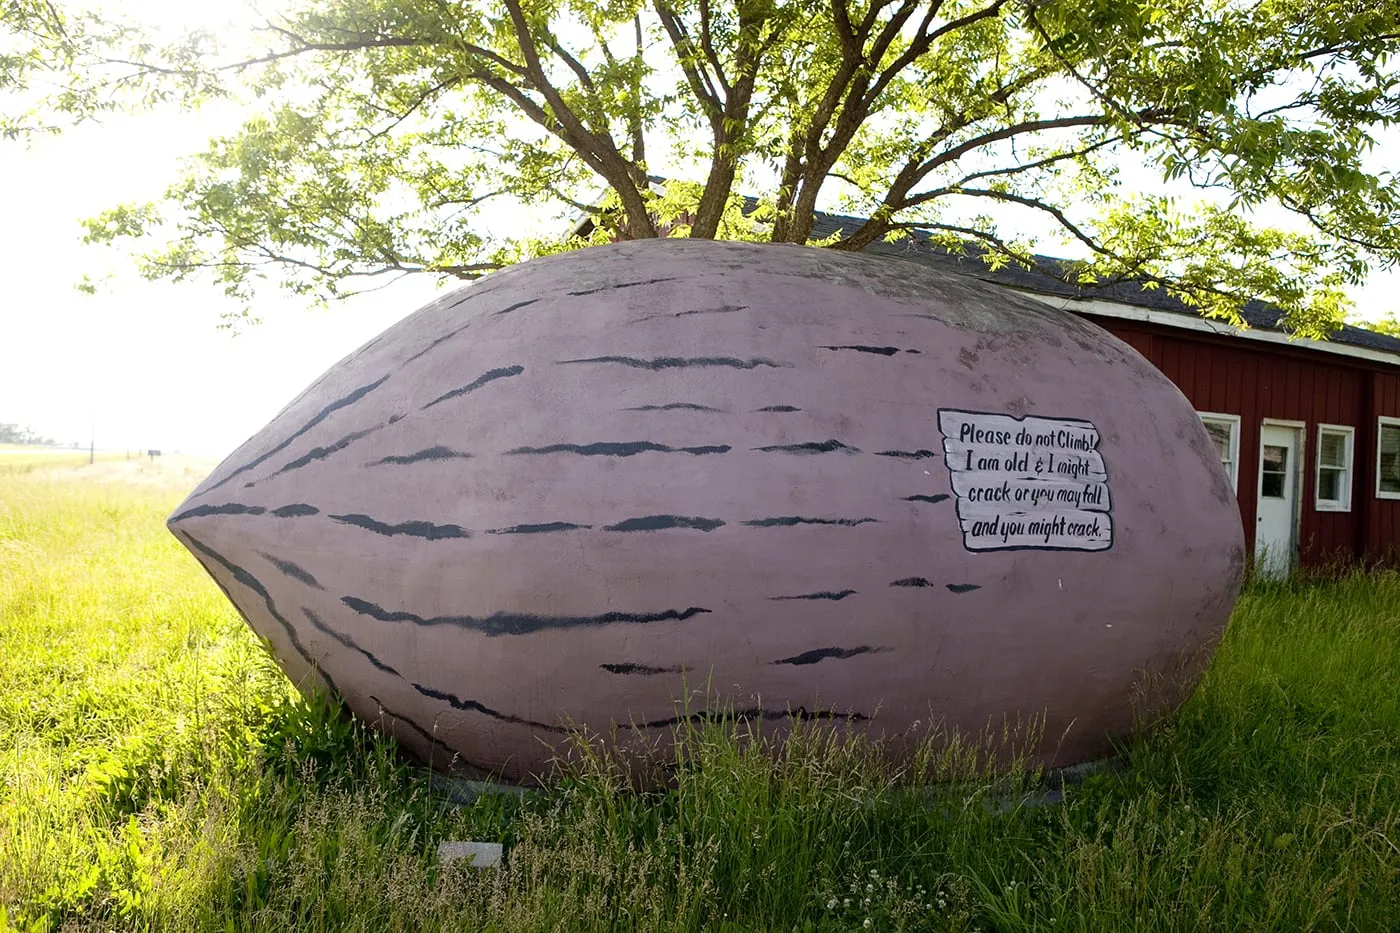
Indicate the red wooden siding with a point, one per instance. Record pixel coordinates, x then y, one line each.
1384 537
1257 381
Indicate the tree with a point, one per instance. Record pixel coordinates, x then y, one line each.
399 136
38 41
14 434
73 67
1388 325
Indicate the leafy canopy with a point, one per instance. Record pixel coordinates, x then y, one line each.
1388 325
1146 137
62 66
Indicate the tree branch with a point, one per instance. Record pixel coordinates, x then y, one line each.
1132 268
303 47
698 78
996 243
794 223
639 142
625 178
1033 203
574 65
1088 85
861 94
1023 167
1311 215
707 45
1334 48
1019 129
914 170
413 107
925 42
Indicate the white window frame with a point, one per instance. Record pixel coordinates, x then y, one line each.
1381 424
1234 422
1348 467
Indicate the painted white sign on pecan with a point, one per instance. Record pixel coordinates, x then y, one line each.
1031 482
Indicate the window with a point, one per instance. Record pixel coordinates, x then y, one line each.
1334 468
1273 472
1225 431
1388 459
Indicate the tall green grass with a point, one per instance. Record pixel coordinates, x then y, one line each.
156 771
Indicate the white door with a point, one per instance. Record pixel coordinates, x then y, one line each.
1275 540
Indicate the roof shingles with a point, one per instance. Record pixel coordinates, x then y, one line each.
1048 279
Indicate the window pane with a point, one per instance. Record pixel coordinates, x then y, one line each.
1390 459
1329 485
1219 432
1275 470
1332 449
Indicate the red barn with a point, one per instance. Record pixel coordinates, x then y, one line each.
1308 430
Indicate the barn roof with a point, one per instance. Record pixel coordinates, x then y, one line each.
1048 279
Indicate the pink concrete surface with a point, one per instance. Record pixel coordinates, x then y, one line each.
596 484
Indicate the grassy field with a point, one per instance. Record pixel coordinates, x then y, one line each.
17 459
25 457
156 772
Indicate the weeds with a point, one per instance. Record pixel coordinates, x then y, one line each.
157 771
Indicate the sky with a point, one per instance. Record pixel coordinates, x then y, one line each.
145 365
140 364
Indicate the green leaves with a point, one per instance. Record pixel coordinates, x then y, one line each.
61 67
1140 139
